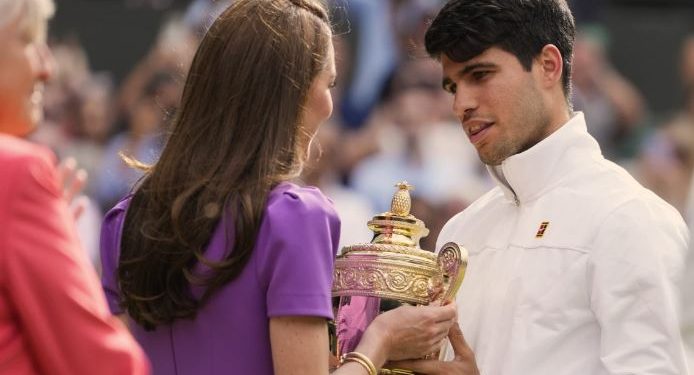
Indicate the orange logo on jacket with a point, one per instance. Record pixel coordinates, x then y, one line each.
541 231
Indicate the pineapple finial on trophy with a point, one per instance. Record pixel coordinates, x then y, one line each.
402 203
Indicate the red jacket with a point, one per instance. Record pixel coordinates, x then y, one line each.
53 314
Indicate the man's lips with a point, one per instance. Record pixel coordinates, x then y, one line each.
476 129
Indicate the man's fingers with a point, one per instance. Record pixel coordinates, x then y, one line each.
455 335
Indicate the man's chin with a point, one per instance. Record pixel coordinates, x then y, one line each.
490 160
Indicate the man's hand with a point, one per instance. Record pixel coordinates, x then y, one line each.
463 363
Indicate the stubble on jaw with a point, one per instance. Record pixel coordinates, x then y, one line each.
532 114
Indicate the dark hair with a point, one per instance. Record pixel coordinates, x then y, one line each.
236 136
464 29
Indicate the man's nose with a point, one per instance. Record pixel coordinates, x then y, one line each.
464 103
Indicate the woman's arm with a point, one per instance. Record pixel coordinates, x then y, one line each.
300 347
53 290
300 344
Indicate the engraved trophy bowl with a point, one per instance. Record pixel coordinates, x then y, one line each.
391 271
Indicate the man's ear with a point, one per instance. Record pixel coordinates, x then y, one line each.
551 67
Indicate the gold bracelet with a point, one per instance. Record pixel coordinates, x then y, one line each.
362 363
362 360
372 368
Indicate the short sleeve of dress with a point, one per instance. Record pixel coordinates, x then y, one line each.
109 246
296 247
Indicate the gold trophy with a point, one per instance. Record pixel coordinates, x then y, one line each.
391 271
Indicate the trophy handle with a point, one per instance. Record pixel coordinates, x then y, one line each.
452 261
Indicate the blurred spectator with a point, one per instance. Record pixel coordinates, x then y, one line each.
201 13
612 105
587 11
167 62
87 136
78 120
142 140
322 171
62 98
381 34
667 160
686 120
686 116
687 66
375 57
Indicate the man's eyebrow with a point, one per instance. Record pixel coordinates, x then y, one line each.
467 69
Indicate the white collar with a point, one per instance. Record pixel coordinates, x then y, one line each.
525 176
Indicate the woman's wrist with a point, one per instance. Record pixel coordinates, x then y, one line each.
361 359
375 344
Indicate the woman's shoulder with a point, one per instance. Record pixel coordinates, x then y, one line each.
289 199
21 156
30 173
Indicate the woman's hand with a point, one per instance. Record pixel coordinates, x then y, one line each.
412 331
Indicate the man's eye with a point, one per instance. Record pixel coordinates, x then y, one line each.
451 88
480 75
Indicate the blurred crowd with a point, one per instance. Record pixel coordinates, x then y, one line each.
392 121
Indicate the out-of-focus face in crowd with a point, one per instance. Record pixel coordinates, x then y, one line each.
25 63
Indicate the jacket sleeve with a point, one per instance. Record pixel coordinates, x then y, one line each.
53 287
634 277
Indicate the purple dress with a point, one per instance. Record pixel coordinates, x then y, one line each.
289 274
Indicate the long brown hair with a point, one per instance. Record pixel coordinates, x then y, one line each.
236 136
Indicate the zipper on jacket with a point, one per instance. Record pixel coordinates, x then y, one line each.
498 174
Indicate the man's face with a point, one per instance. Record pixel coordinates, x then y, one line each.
498 103
25 64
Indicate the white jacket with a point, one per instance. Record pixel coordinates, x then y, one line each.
595 292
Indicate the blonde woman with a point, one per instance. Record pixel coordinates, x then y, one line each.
53 317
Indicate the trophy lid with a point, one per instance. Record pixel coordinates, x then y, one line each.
398 226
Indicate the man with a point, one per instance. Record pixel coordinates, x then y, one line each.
573 265
53 315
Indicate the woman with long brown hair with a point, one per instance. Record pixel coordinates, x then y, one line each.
223 264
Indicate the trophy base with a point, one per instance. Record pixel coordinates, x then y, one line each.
354 314
395 371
